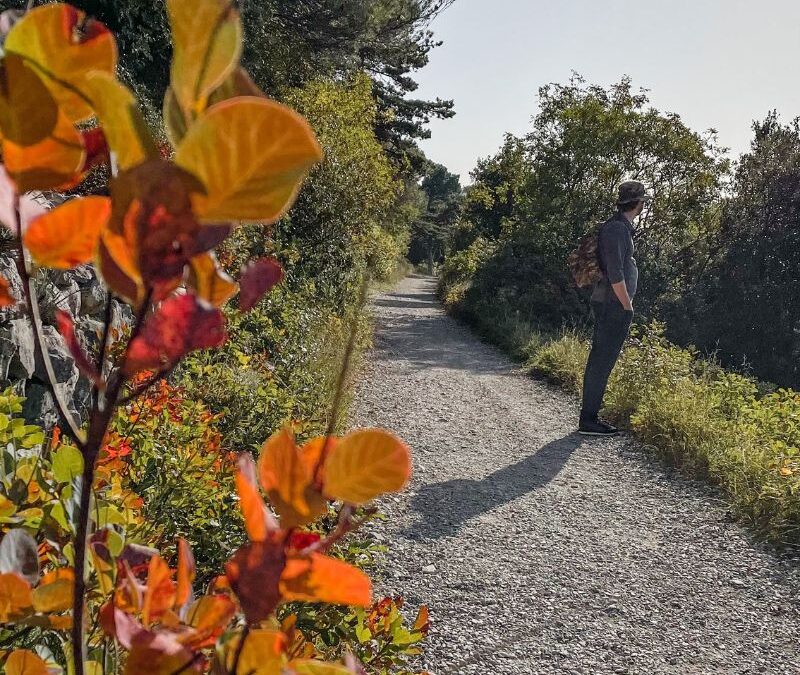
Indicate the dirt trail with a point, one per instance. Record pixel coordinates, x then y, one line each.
541 552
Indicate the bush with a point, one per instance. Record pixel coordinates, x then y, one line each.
711 423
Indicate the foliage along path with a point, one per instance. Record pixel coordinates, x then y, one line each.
541 552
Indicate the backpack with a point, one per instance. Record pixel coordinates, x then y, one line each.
584 262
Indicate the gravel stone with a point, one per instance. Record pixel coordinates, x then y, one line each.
553 553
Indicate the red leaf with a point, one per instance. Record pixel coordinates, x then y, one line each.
67 329
96 148
181 324
6 299
302 540
254 573
257 278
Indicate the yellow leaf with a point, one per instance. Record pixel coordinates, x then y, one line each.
174 118
54 592
64 45
28 112
207 44
786 471
310 667
15 597
210 281
238 83
25 662
68 235
54 163
366 464
118 113
252 155
262 654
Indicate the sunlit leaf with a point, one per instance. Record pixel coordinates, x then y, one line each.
207 43
285 476
186 573
209 617
309 667
262 653
117 267
66 328
104 565
54 163
28 112
257 278
25 662
366 464
238 83
54 592
254 573
64 45
67 236
422 624
159 595
118 113
181 324
257 521
318 578
67 463
209 281
19 553
252 155
16 598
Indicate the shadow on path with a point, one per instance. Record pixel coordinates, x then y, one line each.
444 508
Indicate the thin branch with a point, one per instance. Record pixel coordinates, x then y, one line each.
71 426
345 526
239 649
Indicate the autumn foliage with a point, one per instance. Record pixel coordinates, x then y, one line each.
237 156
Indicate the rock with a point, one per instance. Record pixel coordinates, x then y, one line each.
16 350
429 569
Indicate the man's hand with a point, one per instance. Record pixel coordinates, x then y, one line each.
621 291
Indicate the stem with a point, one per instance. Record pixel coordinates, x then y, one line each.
68 421
98 426
341 382
239 649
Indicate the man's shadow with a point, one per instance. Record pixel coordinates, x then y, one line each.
444 508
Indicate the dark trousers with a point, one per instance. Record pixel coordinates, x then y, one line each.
611 325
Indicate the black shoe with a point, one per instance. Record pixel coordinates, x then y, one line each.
597 428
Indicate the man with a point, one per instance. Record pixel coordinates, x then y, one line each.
612 304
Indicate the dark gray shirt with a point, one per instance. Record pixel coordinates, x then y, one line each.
615 249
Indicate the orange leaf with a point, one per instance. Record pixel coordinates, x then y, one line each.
181 324
54 163
318 578
252 155
186 573
24 662
285 476
64 45
207 43
209 281
366 464
117 111
209 617
54 592
423 620
257 521
263 652
254 573
6 299
159 595
28 112
258 277
16 599
117 267
67 236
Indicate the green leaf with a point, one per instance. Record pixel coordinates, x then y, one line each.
67 464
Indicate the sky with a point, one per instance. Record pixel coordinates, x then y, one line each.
717 63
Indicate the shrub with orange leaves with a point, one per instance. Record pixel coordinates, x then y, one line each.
238 156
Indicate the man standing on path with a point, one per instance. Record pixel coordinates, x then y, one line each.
612 304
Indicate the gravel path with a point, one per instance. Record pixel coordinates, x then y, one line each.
540 552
